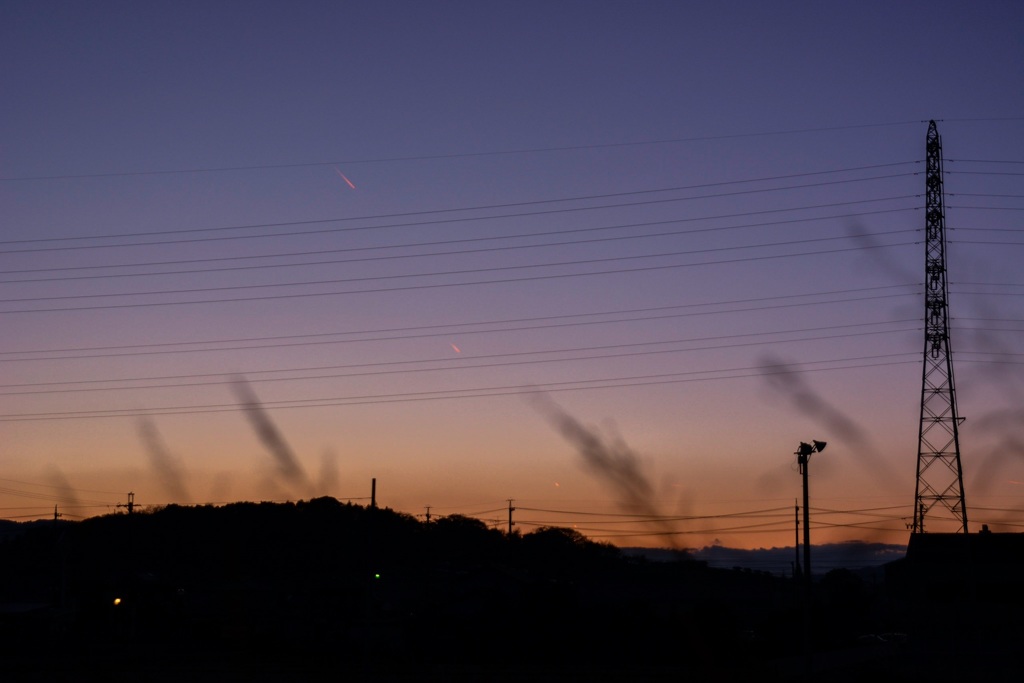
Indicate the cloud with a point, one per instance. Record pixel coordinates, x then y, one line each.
612 461
329 480
270 436
881 258
788 381
991 463
168 467
65 494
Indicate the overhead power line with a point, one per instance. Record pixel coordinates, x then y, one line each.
417 331
421 286
429 254
476 392
61 488
984 161
456 155
470 363
468 271
449 220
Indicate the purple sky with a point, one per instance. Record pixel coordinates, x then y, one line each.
631 208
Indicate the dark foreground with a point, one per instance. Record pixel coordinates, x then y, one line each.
328 591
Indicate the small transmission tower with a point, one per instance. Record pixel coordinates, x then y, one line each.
940 479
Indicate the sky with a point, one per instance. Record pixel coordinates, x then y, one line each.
612 261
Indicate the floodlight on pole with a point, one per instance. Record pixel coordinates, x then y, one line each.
803 457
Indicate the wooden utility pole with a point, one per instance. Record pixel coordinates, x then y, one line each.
796 565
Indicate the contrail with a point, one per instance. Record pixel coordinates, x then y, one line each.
787 381
343 177
65 493
613 462
287 464
1007 450
167 466
880 258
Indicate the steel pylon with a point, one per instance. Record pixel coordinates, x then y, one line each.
939 495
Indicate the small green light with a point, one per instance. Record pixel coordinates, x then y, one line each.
376 576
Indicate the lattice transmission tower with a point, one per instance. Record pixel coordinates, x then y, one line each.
940 482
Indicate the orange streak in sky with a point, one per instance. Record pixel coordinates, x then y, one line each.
456 348
344 178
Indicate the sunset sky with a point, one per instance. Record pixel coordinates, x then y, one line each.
470 249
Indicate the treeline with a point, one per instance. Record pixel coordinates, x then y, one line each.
269 591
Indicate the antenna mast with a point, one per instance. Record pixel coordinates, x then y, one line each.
939 475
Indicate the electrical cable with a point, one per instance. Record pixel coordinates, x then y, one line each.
461 366
463 155
321 252
477 392
445 221
425 286
454 328
469 271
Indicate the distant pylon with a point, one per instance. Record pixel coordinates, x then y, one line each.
939 474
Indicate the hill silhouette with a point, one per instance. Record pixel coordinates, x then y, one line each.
322 589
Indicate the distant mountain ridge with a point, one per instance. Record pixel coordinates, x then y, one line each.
853 555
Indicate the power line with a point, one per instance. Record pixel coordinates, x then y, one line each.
984 194
61 488
462 155
462 366
1014 230
779 512
321 252
425 286
476 392
1000 173
545 322
468 271
49 497
984 161
444 221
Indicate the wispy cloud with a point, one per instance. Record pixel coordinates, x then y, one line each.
612 461
169 468
787 380
65 493
286 463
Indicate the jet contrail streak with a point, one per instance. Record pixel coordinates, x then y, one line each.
343 177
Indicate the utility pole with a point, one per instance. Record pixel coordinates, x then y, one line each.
940 478
796 545
428 514
130 505
510 511
803 458
373 492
